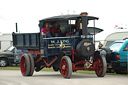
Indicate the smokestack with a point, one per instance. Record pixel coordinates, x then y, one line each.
16 28
85 21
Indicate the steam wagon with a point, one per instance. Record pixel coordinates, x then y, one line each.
72 49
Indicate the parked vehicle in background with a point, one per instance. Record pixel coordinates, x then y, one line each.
7 56
117 56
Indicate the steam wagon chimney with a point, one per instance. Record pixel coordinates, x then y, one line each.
85 23
16 27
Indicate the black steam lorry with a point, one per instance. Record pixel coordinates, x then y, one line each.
65 53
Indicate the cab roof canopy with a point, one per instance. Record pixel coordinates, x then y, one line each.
67 17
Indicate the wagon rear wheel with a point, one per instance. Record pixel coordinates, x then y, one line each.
101 65
32 65
66 67
25 65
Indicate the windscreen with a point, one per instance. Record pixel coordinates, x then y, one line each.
116 46
9 49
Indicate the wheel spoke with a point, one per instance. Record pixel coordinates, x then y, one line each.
64 67
101 65
99 68
23 67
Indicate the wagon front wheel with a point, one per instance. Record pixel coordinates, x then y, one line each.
66 67
101 65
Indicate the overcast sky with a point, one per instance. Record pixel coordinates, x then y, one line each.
27 13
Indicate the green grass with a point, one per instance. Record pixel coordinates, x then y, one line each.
10 68
47 69
86 71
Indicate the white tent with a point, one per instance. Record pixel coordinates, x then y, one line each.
5 41
115 36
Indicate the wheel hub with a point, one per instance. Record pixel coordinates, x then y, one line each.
63 67
2 63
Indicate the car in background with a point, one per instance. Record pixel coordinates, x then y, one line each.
117 56
120 56
7 56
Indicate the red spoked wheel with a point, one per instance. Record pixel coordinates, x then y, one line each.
101 65
25 65
66 67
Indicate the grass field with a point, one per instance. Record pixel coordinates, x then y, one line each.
10 68
50 69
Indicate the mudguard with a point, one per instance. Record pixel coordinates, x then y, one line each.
107 53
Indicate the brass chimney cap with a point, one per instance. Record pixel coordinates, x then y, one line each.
84 14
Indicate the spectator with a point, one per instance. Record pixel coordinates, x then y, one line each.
100 45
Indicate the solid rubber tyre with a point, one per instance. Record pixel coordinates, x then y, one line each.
32 64
66 67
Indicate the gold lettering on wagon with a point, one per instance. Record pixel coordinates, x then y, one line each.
51 46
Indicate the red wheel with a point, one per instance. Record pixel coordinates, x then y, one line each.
101 65
66 67
25 65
